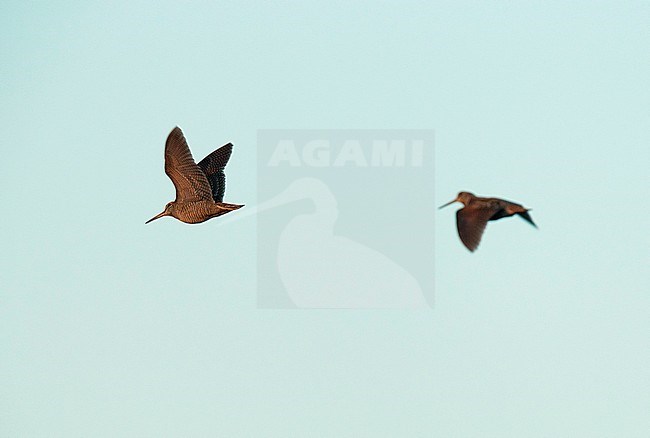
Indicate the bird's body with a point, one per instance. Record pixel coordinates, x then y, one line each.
199 187
199 211
472 219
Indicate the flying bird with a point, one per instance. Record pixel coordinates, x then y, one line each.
474 216
199 187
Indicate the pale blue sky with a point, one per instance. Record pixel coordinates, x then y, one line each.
105 331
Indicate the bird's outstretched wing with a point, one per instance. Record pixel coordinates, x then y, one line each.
190 182
213 166
471 222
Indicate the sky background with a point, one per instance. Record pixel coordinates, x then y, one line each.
112 328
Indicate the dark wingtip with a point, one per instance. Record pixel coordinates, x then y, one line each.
226 147
525 216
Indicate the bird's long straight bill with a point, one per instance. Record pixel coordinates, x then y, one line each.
448 203
158 216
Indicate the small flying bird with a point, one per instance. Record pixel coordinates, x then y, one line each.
474 216
199 187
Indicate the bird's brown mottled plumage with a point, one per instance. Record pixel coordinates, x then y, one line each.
472 219
199 187
189 180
